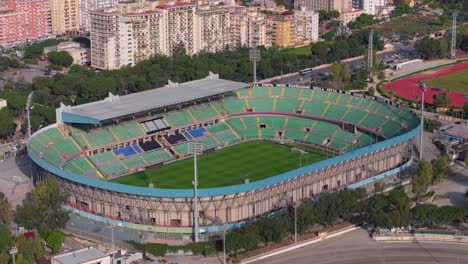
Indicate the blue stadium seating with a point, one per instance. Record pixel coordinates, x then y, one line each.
198 132
187 135
127 151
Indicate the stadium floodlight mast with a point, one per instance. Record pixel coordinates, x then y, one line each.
195 148
254 58
13 252
453 43
422 86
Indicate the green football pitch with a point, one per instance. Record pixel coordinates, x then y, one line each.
255 160
457 81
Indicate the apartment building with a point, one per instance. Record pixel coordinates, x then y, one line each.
178 26
370 6
65 16
23 20
327 5
212 24
111 37
86 6
307 25
283 28
350 15
147 33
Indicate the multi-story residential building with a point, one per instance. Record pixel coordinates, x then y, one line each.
327 5
86 6
147 33
283 28
307 25
350 15
23 20
259 29
65 16
370 6
112 44
238 32
212 26
178 22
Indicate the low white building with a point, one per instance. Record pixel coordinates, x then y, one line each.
3 103
88 255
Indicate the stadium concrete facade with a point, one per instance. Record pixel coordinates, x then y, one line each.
372 138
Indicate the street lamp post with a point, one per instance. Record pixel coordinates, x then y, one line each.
422 86
195 148
13 252
295 222
28 111
111 226
224 244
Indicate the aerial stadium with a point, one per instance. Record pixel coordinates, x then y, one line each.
127 160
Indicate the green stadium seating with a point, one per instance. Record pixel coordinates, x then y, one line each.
234 106
249 133
372 121
227 137
273 122
364 103
78 166
157 156
250 122
268 133
373 106
182 149
315 139
287 105
291 92
385 110
53 156
354 116
319 96
236 123
179 118
128 130
96 138
53 134
134 162
276 91
298 123
314 108
112 169
391 128
209 143
344 99
218 127
333 97
324 128
261 104
355 101
104 157
217 105
343 136
366 139
35 144
306 93
339 145
203 112
66 146
336 112
260 91
244 92
294 135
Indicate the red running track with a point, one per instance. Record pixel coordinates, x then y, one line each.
408 87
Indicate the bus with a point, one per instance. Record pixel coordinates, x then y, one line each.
305 71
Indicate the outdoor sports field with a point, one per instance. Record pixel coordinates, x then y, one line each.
457 81
255 160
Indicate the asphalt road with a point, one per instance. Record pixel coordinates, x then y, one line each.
405 52
357 248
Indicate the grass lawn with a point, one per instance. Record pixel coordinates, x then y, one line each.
304 50
409 25
457 81
255 160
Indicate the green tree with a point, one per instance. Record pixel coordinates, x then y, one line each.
6 214
61 58
441 100
4 257
45 206
466 156
7 127
5 237
441 168
30 248
423 179
55 240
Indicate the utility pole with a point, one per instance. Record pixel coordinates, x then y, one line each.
224 243
254 58
195 148
370 53
422 86
28 111
295 222
453 44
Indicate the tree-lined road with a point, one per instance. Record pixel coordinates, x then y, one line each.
357 248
